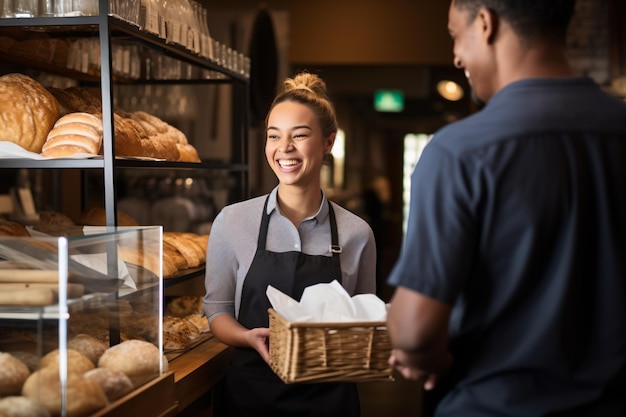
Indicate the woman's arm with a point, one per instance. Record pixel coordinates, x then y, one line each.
229 331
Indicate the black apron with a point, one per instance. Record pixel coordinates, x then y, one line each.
251 388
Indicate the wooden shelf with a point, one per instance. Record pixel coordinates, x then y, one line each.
197 372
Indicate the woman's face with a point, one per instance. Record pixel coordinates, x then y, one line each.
294 145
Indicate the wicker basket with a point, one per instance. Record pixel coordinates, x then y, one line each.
329 352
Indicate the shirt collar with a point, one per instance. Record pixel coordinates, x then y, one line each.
320 216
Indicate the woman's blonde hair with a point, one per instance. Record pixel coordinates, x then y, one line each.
310 90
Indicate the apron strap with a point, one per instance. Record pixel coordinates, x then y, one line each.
265 221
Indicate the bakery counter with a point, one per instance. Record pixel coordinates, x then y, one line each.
185 390
196 375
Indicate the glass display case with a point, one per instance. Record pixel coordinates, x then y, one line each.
80 314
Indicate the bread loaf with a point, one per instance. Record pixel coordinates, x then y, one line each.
87 345
96 216
9 228
74 133
83 395
18 406
13 373
76 361
114 383
27 111
52 222
135 358
76 99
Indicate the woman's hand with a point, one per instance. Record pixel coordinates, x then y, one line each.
258 339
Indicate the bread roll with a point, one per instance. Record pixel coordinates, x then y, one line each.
135 358
27 111
52 222
96 216
76 99
202 323
9 228
89 346
84 396
114 383
184 305
18 406
178 333
74 133
13 373
76 361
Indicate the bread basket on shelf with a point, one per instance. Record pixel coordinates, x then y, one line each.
329 352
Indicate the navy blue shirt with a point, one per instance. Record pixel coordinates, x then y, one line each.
518 219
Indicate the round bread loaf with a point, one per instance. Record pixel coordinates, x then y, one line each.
13 373
9 228
27 111
52 222
114 383
135 358
96 216
29 358
76 99
76 361
88 345
84 396
18 406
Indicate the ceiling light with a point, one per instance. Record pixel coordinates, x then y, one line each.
450 90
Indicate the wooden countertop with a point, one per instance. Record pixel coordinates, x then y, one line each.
191 377
197 371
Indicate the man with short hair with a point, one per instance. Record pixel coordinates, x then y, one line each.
510 292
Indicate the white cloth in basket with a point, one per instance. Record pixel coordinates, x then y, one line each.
327 303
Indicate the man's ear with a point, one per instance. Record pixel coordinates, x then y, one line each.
490 23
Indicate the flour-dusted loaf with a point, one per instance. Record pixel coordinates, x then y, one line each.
114 383
76 99
13 373
27 111
84 396
88 345
74 133
19 406
135 358
76 361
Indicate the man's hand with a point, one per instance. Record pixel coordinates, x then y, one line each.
401 361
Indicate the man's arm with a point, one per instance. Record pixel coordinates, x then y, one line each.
418 329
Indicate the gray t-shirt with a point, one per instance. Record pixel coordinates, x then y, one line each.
233 243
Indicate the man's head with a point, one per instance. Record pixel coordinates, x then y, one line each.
489 35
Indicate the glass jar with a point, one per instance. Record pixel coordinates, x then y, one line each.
25 8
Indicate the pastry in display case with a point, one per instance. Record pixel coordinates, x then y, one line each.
77 329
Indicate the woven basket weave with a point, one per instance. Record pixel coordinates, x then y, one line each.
329 352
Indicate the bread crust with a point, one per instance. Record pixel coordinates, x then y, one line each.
27 111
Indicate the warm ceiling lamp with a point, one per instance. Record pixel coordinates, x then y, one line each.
450 90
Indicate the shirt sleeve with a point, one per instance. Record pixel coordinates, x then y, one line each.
439 245
221 272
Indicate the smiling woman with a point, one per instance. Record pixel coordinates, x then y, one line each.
295 227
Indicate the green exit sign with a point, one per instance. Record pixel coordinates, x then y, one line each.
389 100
